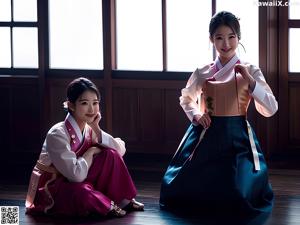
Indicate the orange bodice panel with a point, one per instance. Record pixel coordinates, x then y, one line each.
226 98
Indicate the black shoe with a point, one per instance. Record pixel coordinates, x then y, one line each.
134 206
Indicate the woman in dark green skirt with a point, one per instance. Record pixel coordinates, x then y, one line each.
219 163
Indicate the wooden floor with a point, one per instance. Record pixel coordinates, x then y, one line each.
286 186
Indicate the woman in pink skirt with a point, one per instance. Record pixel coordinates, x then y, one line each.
80 170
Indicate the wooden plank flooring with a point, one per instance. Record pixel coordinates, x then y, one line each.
286 186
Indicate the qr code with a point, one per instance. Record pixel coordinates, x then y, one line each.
9 215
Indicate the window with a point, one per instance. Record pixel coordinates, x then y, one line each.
140 33
188 44
5 10
294 50
151 35
294 10
25 48
5 53
294 37
18 34
75 33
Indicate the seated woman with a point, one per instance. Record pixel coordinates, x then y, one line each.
80 170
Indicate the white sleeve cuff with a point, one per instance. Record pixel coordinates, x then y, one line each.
114 143
106 139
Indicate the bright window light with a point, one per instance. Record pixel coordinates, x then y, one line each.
294 50
5 54
188 45
76 34
25 10
25 47
139 35
294 9
5 10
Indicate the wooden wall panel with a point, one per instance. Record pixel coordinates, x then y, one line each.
20 123
20 126
125 114
103 121
57 93
148 116
5 118
151 115
176 121
26 128
294 114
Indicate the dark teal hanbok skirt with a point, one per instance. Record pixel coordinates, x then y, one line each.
220 173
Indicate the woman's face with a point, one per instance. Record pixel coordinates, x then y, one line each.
225 42
86 107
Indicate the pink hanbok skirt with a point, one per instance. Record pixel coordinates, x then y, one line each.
108 181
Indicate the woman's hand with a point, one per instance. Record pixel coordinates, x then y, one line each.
243 70
204 120
94 150
89 154
95 124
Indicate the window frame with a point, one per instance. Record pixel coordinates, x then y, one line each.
12 24
109 49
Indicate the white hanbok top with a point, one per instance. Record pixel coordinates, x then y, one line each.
190 99
57 149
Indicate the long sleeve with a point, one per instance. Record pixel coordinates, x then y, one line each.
57 145
265 102
190 99
109 141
